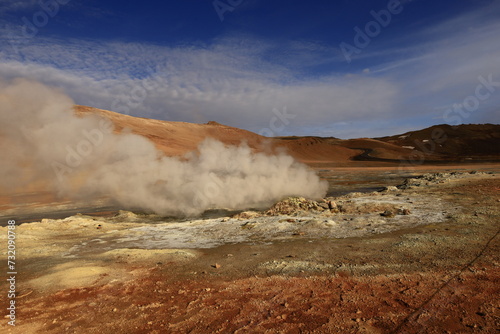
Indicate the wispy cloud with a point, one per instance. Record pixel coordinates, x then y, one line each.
238 80
227 81
15 5
443 63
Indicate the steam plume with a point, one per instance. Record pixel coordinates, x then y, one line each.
42 139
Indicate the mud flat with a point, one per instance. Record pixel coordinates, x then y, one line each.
421 257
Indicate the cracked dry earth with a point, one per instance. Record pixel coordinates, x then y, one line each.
432 271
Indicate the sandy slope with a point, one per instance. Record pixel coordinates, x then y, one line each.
438 143
177 138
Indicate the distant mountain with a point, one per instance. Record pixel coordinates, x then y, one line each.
446 142
438 143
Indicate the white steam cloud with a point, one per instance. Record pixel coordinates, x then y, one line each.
43 141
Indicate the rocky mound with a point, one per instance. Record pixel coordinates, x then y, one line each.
358 203
434 178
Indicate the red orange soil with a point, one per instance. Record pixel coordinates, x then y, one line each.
278 304
436 278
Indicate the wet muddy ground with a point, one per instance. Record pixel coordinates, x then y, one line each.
433 270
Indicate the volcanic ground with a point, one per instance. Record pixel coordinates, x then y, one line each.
415 256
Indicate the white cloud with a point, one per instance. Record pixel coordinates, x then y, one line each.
238 80
16 5
443 65
227 82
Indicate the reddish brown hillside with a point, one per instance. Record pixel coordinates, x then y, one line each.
437 143
177 138
316 149
468 141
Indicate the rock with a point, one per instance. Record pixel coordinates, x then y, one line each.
404 212
247 215
216 266
324 206
293 206
390 188
387 213
126 215
249 225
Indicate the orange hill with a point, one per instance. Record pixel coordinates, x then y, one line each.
437 144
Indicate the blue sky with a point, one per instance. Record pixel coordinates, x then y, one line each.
346 69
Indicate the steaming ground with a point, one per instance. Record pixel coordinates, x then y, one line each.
361 217
84 158
405 257
81 245
354 215
147 236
